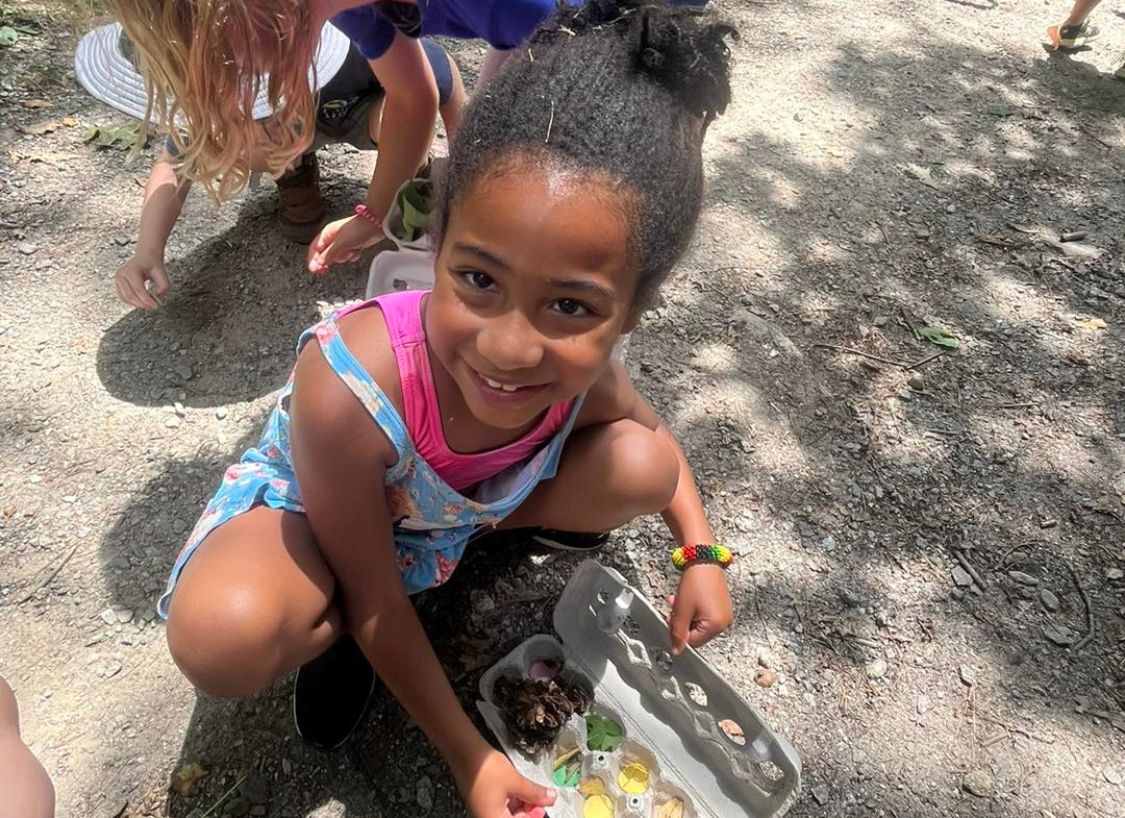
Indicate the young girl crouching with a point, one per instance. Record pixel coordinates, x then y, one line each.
415 420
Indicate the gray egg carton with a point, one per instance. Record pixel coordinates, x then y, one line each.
676 713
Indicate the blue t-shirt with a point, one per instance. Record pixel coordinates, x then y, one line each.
502 24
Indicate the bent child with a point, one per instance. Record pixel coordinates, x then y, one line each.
418 420
349 110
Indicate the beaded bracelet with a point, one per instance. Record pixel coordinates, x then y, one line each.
364 212
685 555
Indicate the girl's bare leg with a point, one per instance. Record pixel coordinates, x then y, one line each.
253 603
609 475
25 787
1080 11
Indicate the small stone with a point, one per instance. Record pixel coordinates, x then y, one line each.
258 810
172 423
916 380
764 659
979 782
951 208
26 248
876 669
286 766
184 371
923 704
1048 600
256 789
237 807
424 795
109 616
968 675
881 320
1060 635
1112 776
1114 574
178 408
849 597
221 413
961 577
765 677
1023 578
820 793
123 615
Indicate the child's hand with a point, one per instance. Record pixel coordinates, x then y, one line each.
341 241
492 788
701 607
131 279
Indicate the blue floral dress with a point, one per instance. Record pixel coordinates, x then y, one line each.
432 521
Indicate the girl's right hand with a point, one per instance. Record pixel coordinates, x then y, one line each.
492 788
134 274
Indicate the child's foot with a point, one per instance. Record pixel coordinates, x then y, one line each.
1068 38
300 210
330 694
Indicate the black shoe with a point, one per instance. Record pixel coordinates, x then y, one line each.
568 540
330 694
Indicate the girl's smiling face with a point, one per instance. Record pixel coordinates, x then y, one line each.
533 286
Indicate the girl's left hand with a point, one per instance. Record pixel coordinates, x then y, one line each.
340 241
701 607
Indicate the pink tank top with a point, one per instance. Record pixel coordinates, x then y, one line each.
402 312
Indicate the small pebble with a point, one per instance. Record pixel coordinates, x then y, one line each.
820 793
923 704
876 669
961 577
1023 578
172 423
1114 574
979 782
1048 599
765 677
221 413
916 380
968 675
424 795
26 248
1112 776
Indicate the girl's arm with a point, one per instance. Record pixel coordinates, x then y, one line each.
701 607
410 107
163 203
340 457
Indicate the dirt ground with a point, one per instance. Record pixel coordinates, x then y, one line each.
931 602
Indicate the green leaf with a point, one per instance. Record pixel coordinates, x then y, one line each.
940 336
567 776
603 735
8 35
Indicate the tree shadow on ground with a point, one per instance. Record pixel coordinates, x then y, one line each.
228 327
875 477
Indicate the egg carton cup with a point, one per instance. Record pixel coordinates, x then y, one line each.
699 740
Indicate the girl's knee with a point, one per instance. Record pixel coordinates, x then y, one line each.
644 466
225 639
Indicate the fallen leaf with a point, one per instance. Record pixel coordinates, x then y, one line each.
1090 323
40 128
69 121
119 137
8 36
186 779
36 103
940 336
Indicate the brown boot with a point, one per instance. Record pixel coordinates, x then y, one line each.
300 211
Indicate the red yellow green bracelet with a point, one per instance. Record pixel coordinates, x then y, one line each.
685 555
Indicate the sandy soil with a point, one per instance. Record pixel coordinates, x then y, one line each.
932 548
